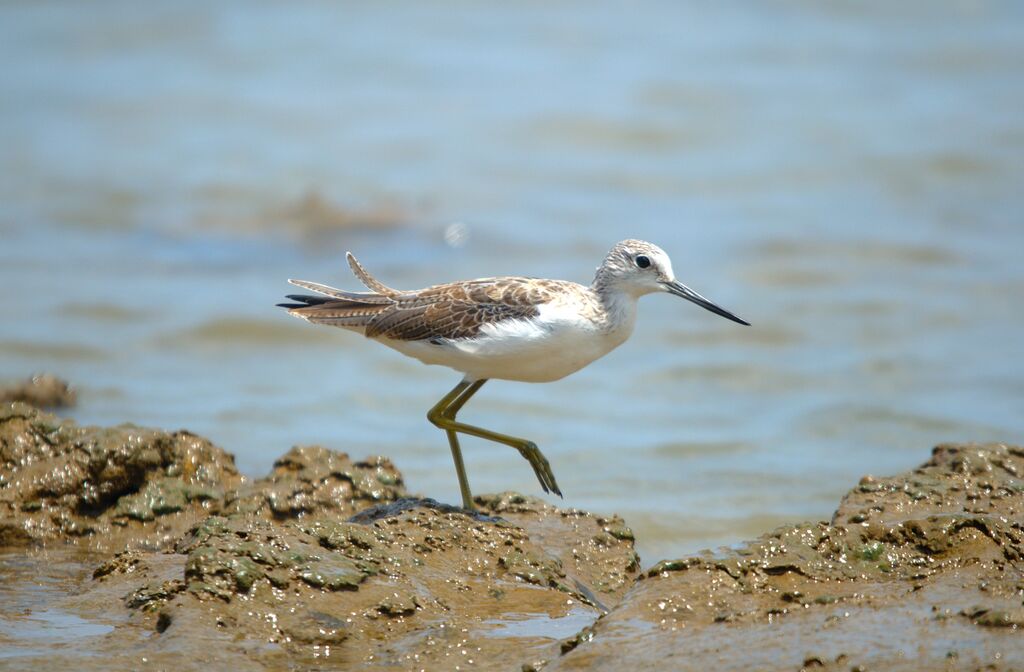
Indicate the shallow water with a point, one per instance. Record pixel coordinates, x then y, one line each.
847 178
32 623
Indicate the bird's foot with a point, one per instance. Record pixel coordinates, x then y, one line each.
540 465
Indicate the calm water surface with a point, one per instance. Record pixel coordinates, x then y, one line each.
847 178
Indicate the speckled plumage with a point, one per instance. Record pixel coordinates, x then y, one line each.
455 310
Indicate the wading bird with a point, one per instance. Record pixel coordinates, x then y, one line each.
511 328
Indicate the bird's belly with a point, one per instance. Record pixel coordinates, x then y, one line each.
516 350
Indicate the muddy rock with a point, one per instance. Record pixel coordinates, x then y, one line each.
311 481
919 571
327 563
106 488
596 552
411 584
42 391
131 487
165 550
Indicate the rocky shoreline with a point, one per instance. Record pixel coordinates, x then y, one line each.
129 548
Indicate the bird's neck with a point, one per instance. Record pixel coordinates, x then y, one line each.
619 307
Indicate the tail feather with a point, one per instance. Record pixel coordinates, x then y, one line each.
338 313
308 299
304 300
338 307
359 297
364 277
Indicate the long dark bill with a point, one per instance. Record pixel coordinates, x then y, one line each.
682 290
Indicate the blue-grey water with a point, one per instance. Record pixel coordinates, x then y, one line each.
846 176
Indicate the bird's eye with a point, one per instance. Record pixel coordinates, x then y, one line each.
642 260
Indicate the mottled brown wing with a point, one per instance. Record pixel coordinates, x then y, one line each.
459 310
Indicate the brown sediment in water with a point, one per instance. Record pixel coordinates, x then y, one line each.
154 551
309 218
314 213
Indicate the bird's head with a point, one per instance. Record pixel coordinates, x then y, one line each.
636 267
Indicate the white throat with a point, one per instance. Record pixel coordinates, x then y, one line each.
620 312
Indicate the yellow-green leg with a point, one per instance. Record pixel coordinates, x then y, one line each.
443 416
437 412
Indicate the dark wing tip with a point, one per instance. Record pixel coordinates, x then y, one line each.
305 300
309 299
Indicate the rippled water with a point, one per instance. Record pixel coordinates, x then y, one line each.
846 177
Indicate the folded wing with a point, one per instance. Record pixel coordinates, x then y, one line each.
443 312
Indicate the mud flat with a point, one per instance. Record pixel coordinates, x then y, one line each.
130 548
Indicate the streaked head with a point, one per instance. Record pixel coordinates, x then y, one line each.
637 267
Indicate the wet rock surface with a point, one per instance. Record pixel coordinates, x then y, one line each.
152 551
104 488
414 584
312 481
920 571
131 487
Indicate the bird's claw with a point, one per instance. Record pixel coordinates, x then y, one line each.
541 467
